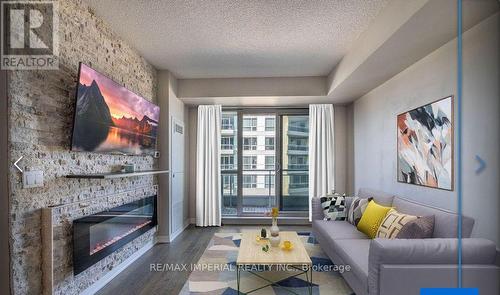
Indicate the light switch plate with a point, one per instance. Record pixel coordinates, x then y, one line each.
32 179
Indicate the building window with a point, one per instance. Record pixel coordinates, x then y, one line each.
299 181
299 124
269 162
269 181
298 144
249 181
227 143
227 162
229 185
228 121
269 143
298 162
250 143
249 162
270 124
249 124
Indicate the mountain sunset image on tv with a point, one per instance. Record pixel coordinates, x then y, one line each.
112 119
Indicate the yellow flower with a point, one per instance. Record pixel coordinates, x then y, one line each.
275 212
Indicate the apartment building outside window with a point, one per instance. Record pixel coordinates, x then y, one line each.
270 124
269 163
227 122
249 143
249 181
227 162
269 181
270 139
250 124
270 143
227 143
249 162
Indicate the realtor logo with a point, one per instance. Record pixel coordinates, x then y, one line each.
29 35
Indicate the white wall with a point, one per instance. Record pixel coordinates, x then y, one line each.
431 78
172 107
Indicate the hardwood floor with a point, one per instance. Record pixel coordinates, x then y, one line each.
187 248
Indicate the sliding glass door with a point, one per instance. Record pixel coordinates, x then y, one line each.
295 163
264 162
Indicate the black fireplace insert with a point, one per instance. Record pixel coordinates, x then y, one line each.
98 235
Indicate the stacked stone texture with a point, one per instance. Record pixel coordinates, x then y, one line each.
41 106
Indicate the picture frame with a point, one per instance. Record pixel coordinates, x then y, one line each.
425 145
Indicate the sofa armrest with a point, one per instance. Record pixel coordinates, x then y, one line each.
425 251
317 211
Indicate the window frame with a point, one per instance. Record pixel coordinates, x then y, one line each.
252 126
278 113
268 128
270 147
253 162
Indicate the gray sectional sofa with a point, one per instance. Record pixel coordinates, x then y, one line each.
400 266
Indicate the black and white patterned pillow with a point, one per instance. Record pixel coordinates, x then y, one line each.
357 209
334 207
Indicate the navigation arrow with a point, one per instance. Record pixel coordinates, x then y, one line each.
482 165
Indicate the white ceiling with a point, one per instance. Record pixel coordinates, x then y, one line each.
240 38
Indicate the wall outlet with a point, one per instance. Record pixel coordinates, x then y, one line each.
32 179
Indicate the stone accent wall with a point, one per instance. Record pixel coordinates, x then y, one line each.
62 218
41 105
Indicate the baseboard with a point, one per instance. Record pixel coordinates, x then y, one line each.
176 234
117 270
162 239
170 238
192 220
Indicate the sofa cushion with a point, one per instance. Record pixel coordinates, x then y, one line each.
445 222
420 228
379 197
372 218
356 210
334 207
355 252
393 223
337 230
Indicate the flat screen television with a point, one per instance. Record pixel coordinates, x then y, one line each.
112 119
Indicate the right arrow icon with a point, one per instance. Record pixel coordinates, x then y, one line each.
482 164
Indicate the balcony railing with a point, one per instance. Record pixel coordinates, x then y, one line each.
296 147
262 198
298 129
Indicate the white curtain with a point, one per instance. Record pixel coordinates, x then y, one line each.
321 151
208 179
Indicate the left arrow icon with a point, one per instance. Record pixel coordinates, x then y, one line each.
15 164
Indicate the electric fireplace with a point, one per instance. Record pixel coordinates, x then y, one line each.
98 235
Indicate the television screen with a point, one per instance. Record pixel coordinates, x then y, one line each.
112 119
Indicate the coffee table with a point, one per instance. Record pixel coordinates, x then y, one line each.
251 256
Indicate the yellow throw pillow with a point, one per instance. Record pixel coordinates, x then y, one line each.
372 218
392 224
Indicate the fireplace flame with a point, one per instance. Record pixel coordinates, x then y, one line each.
99 246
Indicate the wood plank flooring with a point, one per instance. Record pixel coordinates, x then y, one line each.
187 248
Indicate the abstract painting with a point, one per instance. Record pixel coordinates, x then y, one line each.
425 145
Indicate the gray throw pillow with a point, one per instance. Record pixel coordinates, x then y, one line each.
420 228
333 207
357 209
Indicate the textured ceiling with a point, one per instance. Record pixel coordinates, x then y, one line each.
240 38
